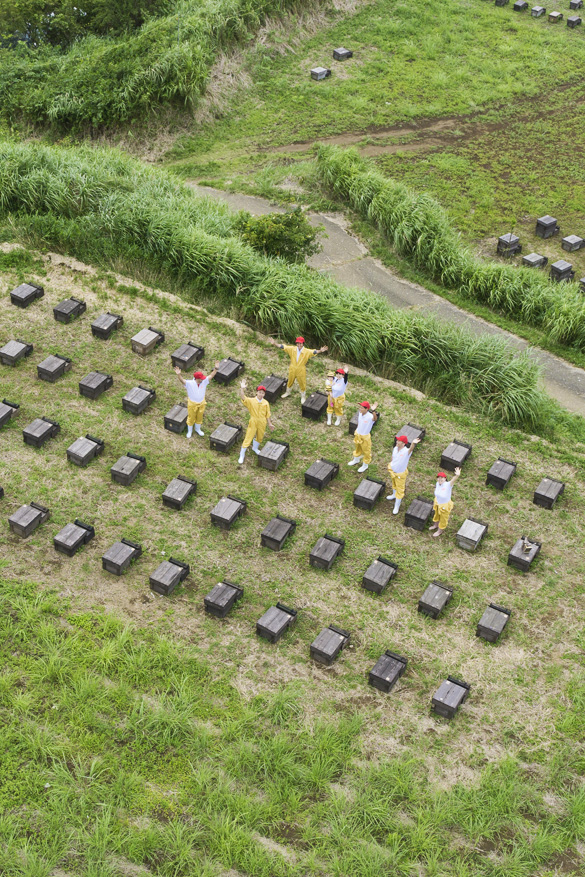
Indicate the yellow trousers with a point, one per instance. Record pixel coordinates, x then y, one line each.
297 373
398 482
195 412
363 447
256 430
442 513
336 404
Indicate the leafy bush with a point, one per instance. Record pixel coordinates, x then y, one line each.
289 235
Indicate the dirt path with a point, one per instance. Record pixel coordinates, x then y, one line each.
348 261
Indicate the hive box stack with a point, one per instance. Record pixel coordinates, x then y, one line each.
547 492
321 473
418 513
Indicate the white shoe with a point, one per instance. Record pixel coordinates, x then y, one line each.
303 398
189 431
391 496
337 421
284 395
255 447
198 430
329 416
242 455
354 461
396 508
363 467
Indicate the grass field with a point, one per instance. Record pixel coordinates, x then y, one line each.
142 736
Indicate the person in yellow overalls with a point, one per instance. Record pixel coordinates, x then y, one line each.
297 370
361 438
259 418
336 396
443 504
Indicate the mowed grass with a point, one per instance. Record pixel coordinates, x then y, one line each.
141 733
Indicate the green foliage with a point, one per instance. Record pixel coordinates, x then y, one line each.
289 235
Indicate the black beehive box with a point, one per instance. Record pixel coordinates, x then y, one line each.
434 599
146 340
379 574
508 244
454 455
534 260
118 558
224 437
342 54
387 671
412 432
573 21
352 425
275 622
176 418
502 2
40 431
320 73
449 696
53 367
520 5
27 518
554 17
275 387
321 473
314 406
83 450
13 351
500 473
561 271
272 455
576 4
547 492
178 492
519 557
492 622
418 513
227 511
228 370
276 532
221 598
546 226
127 468
537 12
326 647
138 399
325 551
185 356
72 537
572 243
167 576
25 294
470 534
94 384
69 309
105 324
7 410
368 492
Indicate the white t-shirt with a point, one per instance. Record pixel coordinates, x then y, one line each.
443 492
400 459
195 391
365 423
338 387
299 352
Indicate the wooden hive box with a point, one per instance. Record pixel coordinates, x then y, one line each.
470 534
500 473
449 696
118 558
572 242
83 450
146 340
53 367
176 418
276 532
228 370
342 54
69 309
224 437
502 2
326 647
412 432
7 410
127 468
325 551
492 623
554 17
138 399
221 598
573 21
319 73
561 271
508 244
13 351
576 4
94 384
352 425
547 492
454 455
1 492
534 260
167 576
40 431
275 387
520 5
105 325
434 599
227 511
314 406
25 294
368 492
185 356
27 518
321 473
379 574
272 455
387 671
275 622
522 559
178 492
72 537
536 12
418 513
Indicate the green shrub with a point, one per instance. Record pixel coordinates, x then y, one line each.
289 235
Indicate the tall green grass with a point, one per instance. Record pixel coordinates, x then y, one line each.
108 209
420 230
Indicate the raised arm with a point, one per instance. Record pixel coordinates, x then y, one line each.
241 389
275 343
456 476
373 411
214 372
179 375
321 350
412 444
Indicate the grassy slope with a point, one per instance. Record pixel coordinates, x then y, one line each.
158 763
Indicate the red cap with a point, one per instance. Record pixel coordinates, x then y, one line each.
402 438
441 475
364 404
339 371
261 387
299 340
199 376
